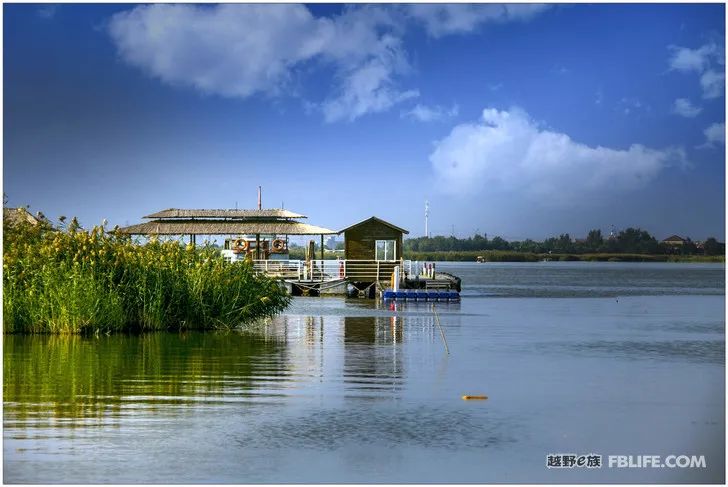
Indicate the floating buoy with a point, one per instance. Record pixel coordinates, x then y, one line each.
475 398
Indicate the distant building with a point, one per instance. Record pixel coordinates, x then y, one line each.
674 240
330 243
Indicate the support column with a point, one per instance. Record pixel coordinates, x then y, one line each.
322 248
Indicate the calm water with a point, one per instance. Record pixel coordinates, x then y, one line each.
607 358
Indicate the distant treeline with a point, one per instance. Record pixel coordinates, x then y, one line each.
513 256
629 241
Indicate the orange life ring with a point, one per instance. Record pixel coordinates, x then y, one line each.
240 245
278 245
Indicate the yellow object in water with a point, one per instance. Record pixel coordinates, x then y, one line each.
479 398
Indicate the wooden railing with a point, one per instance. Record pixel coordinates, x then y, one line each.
329 270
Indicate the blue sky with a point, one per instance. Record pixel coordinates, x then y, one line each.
524 121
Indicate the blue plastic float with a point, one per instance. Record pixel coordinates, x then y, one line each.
420 295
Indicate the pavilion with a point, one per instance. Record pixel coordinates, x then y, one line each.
276 221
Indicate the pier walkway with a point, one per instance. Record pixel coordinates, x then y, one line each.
333 276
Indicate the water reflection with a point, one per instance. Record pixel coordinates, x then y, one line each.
371 353
48 379
339 393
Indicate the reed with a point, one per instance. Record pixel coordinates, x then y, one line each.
82 282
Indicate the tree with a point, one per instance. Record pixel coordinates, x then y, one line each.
636 241
499 243
712 247
594 239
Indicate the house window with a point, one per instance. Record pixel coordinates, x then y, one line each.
386 249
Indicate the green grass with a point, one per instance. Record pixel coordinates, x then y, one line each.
78 282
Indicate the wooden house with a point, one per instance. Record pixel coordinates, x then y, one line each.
372 249
373 239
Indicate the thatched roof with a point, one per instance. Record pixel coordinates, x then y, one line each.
374 218
274 213
223 227
17 215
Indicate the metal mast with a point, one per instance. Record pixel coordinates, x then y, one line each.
427 215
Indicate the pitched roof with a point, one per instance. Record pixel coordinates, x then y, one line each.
225 227
674 238
274 213
16 215
374 218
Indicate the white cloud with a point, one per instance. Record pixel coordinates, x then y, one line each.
450 18
507 150
714 135
240 50
237 50
424 113
47 11
684 107
686 59
702 61
713 83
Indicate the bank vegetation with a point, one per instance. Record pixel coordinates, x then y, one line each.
73 281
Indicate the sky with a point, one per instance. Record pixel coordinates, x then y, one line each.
520 120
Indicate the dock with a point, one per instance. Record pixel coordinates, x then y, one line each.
361 278
372 263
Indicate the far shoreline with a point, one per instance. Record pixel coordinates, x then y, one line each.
511 256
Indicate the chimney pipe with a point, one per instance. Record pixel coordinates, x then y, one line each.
260 203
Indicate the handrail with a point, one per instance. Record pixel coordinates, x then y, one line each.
329 270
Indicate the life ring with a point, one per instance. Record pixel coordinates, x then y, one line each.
240 245
278 245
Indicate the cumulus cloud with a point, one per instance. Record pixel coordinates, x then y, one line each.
701 61
686 59
240 50
713 83
237 50
684 107
508 150
458 18
424 113
714 135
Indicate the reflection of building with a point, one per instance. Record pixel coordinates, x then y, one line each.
373 330
371 360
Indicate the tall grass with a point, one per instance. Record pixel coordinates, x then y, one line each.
76 281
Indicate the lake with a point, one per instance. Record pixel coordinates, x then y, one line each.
575 358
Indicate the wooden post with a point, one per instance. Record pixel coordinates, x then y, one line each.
322 250
257 246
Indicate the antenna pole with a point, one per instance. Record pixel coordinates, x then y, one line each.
427 215
260 201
